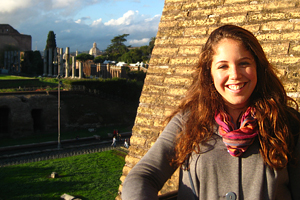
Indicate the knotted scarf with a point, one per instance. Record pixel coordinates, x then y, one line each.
237 140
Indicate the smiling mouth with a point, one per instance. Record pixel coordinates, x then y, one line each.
237 86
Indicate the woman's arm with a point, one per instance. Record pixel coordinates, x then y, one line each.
294 168
149 175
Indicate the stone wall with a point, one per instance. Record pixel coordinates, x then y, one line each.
184 27
28 113
10 36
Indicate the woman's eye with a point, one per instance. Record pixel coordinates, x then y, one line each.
244 63
222 66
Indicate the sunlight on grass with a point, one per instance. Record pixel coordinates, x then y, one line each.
11 77
90 176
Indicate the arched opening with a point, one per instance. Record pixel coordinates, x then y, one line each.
38 124
4 119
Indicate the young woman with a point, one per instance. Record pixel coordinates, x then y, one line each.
234 135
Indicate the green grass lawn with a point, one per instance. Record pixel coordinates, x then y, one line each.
89 177
64 135
11 77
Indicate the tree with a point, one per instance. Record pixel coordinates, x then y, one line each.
117 47
84 57
32 63
151 45
51 41
50 44
100 59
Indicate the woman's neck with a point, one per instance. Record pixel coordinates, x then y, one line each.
234 112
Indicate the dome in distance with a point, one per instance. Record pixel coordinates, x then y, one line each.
94 51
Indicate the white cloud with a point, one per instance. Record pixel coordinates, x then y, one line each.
63 3
82 20
125 20
153 18
8 6
139 42
38 17
78 21
96 22
66 31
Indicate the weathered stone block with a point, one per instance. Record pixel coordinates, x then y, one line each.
294 13
234 1
294 49
171 6
198 22
291 87
155 88
190 41
291 36
159 61
277 25
160 69
140 119
168 16
190 6
165 51
252 28
153 111
176 80
280 4
297 26
184 70
166 24
284 60
201 12
175 1
276 48
233 19
257 16
269 36
207 3
126 170
131 160
237 9
177 91
189 50
184 61
150 78
122 178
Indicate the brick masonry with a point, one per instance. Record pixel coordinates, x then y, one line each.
184 27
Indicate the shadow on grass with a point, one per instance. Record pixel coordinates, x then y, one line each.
35 183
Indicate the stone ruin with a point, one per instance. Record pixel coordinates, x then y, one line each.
55 65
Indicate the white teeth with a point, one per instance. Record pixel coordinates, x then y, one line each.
236 87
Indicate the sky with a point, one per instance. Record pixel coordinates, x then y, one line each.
79 23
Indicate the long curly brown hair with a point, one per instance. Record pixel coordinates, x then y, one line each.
269 99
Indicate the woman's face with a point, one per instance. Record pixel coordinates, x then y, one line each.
233 71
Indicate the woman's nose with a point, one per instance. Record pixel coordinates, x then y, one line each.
234 72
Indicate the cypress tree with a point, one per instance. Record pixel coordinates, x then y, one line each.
51 41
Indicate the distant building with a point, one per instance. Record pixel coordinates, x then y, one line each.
11 37
94 50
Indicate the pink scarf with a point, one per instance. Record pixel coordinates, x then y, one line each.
237 140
